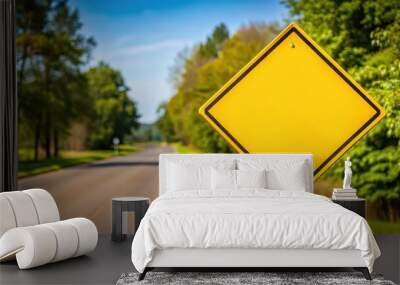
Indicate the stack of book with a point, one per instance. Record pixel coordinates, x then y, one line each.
344 194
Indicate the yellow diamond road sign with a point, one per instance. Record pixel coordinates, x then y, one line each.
292 98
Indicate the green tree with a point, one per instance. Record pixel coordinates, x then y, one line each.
214 42
165 125
363 36
203 72
31 20
115 113
50 52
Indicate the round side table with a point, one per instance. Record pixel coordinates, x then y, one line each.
138 205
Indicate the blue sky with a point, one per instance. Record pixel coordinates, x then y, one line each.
142 37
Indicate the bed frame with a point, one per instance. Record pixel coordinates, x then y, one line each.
245 259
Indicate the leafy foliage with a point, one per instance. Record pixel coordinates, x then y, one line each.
115 113
203 72
364 37
54 92
50 52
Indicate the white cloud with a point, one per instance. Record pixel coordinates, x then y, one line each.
145 69
130 50
125 40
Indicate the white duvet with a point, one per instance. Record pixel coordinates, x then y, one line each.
250 219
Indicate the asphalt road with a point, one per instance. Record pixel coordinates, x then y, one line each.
86 190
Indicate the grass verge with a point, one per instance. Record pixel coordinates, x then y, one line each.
181 148
383 227
68 158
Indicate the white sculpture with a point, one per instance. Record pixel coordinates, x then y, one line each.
347 174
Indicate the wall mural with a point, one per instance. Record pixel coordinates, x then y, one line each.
293 98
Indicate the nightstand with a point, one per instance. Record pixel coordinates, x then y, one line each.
120 205
358 205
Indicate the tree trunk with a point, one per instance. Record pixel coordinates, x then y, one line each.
24 56
37 140
21 71
393 211
55 143
48 137
47 114
397 209
390 212
384 210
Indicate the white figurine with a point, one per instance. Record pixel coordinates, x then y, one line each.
347 174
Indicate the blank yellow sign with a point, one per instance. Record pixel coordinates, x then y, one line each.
293 98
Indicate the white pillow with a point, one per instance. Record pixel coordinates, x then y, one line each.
188 177
289 179
282 174
225 179
251 179
193 175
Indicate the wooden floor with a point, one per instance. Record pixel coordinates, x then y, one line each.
110 259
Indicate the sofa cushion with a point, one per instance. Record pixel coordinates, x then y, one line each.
23 208
41 244
7 220
46 207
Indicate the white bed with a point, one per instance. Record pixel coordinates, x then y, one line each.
249 227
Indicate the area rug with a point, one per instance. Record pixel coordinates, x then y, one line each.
269 278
